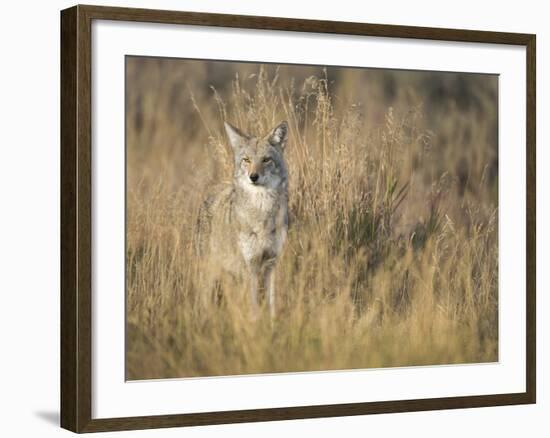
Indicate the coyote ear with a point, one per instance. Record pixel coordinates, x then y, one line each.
235 135
279 135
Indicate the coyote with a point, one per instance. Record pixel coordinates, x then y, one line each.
242 226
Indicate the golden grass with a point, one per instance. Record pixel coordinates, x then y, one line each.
391 257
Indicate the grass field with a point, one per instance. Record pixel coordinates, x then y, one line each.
392 252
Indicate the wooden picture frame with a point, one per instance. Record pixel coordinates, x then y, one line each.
76 218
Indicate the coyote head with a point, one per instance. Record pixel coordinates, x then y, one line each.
259 162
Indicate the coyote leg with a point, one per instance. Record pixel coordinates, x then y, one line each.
254 292
269 281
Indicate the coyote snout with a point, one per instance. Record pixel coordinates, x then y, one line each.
243 226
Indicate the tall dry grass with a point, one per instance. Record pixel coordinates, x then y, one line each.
391 257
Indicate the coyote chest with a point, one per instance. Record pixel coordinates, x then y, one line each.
263 228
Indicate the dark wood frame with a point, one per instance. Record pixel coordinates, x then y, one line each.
76 219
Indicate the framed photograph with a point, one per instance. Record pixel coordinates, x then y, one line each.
270 218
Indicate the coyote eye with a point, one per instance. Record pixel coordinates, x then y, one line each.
266 159
246 160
